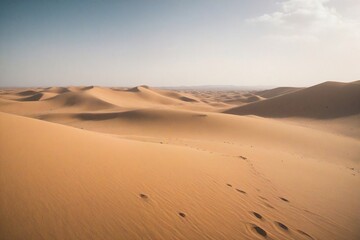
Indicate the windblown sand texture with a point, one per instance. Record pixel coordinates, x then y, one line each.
143 163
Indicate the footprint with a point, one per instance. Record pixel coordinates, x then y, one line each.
181 214
268 205
305 234
229 185
284 199
283 226
239 190
257 215
200 115
260 231
143 196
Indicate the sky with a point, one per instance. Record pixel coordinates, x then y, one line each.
179 42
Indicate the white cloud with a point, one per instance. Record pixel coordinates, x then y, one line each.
307 19
293 38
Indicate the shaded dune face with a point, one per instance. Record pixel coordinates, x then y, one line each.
130 115
323 101
57 89
144 163
138 88
187 99
35 97
27 93
276 92
70 99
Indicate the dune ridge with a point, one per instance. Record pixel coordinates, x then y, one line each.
276 92
326 100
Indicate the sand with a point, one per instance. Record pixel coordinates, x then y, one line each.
144 163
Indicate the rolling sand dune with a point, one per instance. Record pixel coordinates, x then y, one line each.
169 124
326 100
35 97
27 93
81 100
57 90
276 92
143 163
145 97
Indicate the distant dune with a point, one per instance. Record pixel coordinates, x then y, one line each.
90 162
81 100
326 100
57 90
276 92
34 97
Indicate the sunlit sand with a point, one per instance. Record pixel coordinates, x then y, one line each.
145 163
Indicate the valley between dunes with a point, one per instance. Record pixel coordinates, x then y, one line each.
145 163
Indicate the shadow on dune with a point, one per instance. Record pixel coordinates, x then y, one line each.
324 101
86 88
26 93
79 99
276 92
137 89
187 99
132 115
57 90
35 97
138 115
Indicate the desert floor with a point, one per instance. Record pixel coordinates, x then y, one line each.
145 163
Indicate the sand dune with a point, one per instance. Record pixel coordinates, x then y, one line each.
34 97
57 90
276 92
80 100
78 88
97 187
145 97
144 163
326 100
179 96
27 93
170 124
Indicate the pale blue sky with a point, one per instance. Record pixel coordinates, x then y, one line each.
184 42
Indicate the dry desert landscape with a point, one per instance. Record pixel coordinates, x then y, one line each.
145 163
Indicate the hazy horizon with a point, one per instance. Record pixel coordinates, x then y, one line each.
179 43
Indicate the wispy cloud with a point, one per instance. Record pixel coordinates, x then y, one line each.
307 19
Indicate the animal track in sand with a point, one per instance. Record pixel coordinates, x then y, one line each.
283 226
143 196
257 215
305 234
260 231
239 190
181 214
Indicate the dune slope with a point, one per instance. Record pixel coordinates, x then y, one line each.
270 93
323 101
64 183
143 163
